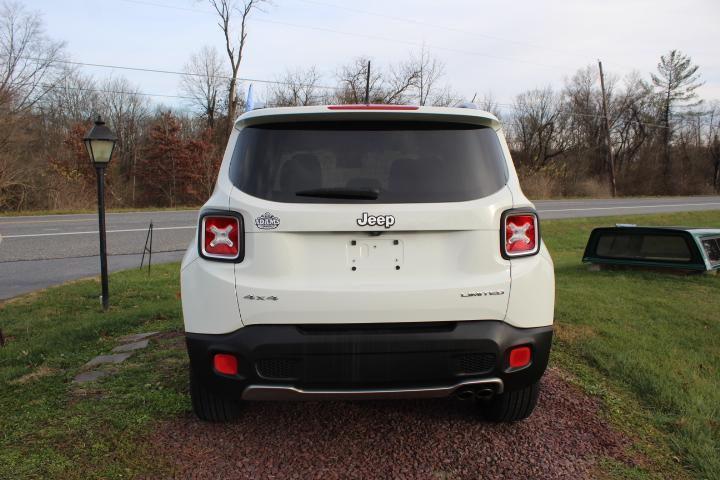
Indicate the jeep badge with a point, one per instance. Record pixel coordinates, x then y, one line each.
366 220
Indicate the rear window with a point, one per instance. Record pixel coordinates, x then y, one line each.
712 249
397 162
673 248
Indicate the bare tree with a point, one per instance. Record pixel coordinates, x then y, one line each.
427 71
28 71
394 86
715 156
352 80
71 100
296 88
445 97
712 140
631 110
15 181
539 128
235 39
205 81
28 58
583 100
489 104
127 112
399 83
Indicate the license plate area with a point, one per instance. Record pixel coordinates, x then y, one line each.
375 254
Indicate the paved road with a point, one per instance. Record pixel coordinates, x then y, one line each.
553 209
39 251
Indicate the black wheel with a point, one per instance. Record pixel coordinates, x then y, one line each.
211 407
511 406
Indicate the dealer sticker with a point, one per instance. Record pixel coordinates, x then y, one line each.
267 221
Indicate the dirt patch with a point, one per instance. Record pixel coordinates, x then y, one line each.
165 335
442 439
40 372
573 333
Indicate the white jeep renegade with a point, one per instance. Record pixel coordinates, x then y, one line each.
367 251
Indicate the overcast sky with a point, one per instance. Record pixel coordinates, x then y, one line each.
495 47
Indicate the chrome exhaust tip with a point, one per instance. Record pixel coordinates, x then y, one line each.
465 394
484 393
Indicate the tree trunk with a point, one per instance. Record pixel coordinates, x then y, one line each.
232 104
666 144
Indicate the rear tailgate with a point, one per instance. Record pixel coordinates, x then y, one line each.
426 249
430 266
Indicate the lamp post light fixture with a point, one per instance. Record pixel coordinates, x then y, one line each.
100 143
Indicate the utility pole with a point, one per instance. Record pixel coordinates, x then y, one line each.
421 102
367 85
610 160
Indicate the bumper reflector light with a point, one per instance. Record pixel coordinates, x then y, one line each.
225 364
520 357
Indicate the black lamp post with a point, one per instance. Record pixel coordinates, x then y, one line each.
100 143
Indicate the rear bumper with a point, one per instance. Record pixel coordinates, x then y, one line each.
342 361
289 392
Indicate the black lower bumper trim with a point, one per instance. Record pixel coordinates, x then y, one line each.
349 358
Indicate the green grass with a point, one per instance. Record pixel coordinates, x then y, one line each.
654 336
644 343
53 429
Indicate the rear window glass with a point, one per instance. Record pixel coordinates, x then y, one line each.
672 248
397 162
712 249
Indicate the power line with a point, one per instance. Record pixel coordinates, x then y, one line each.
507 106
439 27
170 72
172 7
117 92
541 46
277 82
386 39
577 114
413 44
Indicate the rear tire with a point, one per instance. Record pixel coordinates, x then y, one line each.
211 407
511 406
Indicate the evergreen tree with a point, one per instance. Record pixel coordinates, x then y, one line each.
676 81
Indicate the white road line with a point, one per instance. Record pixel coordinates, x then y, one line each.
617 207
16 222
96 232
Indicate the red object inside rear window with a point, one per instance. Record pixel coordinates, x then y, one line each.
372 107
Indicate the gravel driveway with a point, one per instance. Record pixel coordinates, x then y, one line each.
427 439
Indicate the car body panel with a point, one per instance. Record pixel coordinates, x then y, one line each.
312 265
